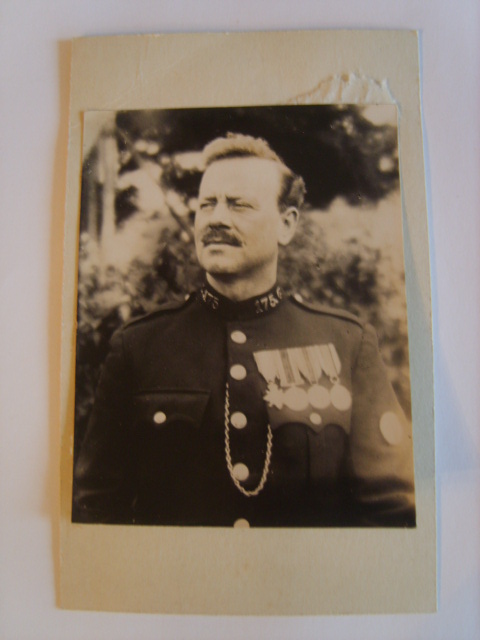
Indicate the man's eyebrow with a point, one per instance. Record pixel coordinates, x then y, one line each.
239 198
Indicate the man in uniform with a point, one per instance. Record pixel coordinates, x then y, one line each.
241 407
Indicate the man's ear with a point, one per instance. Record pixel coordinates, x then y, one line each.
287 225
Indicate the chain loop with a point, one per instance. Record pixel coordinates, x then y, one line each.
228 457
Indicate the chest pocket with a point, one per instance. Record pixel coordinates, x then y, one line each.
162 410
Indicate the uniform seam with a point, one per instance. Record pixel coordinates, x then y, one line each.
326 311
357 357
158 312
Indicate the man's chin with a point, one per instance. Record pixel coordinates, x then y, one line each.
219 269
216 260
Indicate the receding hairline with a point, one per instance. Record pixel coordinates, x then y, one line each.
237 146
271 162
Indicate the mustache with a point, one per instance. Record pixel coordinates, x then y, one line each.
222 236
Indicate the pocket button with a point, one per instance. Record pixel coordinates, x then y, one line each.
159 417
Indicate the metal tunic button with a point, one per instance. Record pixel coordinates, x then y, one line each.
238 337
240 471
391 428
238 372
241 523
238 420
315 418
159 417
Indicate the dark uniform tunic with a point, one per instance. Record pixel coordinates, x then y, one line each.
219 413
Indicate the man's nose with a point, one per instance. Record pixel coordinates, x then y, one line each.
220 215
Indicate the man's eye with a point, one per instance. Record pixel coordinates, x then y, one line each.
241 205
206 206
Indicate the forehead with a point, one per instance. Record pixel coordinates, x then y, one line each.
255 177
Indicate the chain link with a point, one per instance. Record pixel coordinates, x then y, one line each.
228 457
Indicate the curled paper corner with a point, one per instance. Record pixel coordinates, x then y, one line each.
347 88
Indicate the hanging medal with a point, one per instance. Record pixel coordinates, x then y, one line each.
340 396
295 368
318 395
267 364
288 371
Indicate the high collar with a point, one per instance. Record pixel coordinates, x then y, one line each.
243 310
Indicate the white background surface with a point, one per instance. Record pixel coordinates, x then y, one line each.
33 124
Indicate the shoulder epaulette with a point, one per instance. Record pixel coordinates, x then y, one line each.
166 308
324 310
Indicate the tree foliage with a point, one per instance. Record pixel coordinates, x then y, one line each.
335 149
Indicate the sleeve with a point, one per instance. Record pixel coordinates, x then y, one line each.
101 491
381 445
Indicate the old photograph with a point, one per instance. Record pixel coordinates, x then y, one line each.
242 346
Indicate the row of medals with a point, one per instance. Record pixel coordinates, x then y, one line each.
286 371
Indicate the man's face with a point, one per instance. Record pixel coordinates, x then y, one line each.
238 225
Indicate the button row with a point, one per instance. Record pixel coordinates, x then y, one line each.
238 420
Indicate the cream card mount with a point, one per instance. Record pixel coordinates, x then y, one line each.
259 570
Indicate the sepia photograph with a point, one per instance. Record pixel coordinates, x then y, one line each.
242 349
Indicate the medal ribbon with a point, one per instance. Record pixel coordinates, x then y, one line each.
294 367
330 361
266 364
